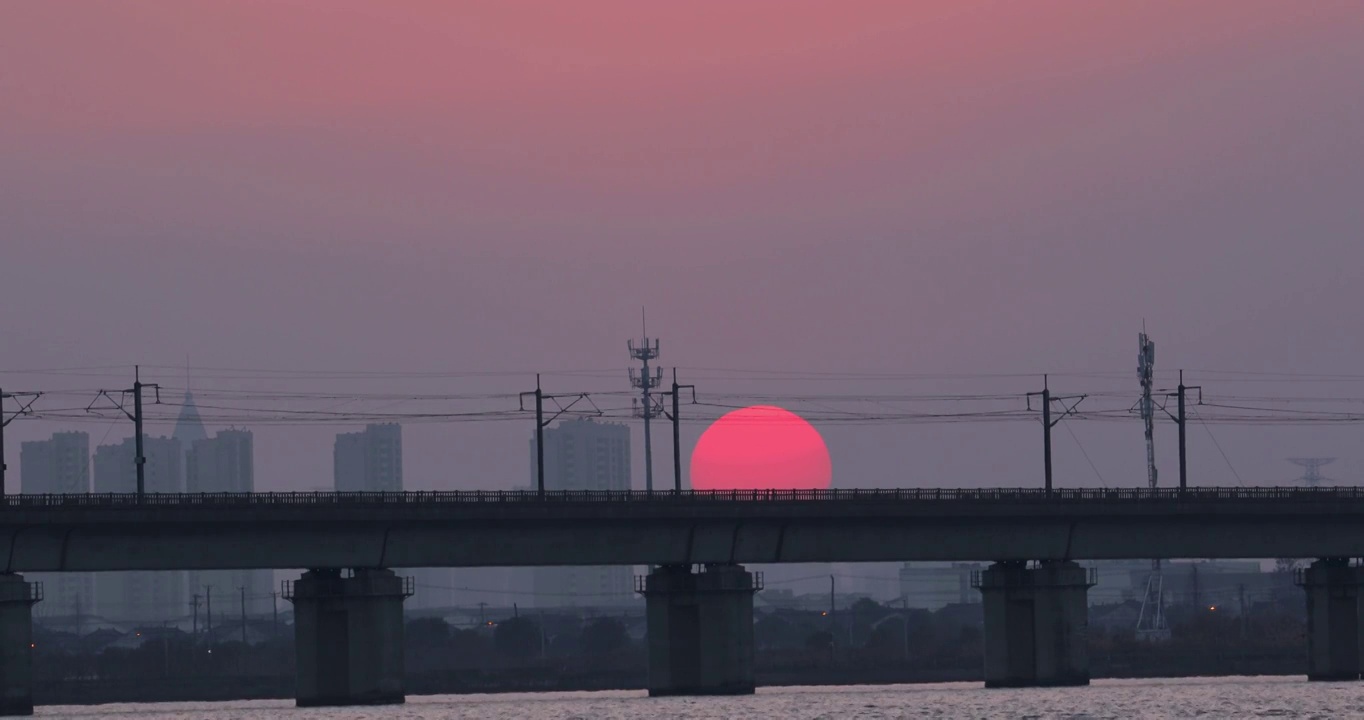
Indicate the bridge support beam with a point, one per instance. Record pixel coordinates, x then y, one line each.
700 629
1333 619
348 637
1036 623
16 643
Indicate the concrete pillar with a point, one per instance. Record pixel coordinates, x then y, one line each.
1333 623
700 629
348 637
1036 624
16 643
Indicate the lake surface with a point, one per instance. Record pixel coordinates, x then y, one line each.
1277 697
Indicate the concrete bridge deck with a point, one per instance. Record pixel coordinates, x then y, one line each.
348 628
97 532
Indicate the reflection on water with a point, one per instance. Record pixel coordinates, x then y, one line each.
1189 697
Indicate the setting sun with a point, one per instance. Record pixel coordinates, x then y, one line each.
760 448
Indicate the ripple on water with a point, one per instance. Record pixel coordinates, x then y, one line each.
1174 698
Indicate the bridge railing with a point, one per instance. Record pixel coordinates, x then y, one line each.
945 495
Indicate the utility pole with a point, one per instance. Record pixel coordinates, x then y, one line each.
904 618
541 423
1194 593
544 642
1183 439
274 615
194 603
208 614
1182 394
141 459
1048 423
833 605
539 437
676 418
645 382
136 416
1241 595
833 585
243 592
25 400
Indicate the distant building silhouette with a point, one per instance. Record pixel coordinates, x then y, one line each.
226 463
141 596
369 461
189 427
935 585
584 454
60 465
372 461
116 471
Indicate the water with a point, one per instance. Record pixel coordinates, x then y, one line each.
1277 697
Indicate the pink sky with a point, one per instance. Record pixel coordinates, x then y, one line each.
835 186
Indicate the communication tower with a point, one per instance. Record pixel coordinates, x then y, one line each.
1311 470
1151 624
646 380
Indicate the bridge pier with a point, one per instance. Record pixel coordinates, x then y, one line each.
16 643
700 629
1036 623
348 637
1333 618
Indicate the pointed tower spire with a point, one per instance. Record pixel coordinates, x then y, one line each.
189 427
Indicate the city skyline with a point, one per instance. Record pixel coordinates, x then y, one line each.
891 189
982 341
1299 425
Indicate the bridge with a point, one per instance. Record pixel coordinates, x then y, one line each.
348 604
189 531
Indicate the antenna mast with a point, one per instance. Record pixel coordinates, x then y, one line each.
1151 622
645 382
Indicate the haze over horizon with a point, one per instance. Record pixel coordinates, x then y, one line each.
850 204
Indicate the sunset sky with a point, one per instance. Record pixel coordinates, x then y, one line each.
843 188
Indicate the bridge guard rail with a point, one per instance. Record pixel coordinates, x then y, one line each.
1010 495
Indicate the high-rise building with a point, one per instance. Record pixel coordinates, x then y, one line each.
140 596
189 427
225 463
372 461
116 471
584 454
369 461
60 465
